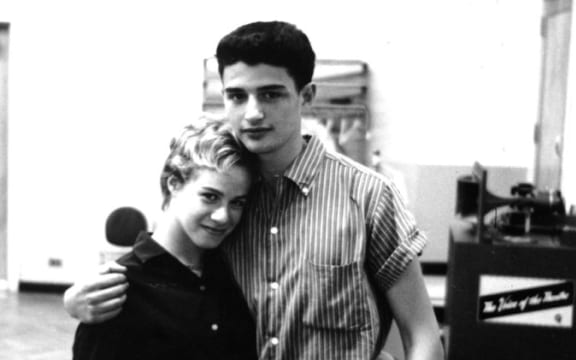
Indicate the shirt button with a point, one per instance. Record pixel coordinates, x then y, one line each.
305 190
274 230
214 327
202 287
274 341
274 286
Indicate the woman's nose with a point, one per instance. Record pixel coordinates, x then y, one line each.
220 215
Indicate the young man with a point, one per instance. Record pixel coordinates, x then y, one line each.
326 253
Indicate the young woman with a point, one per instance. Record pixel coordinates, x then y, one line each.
183 302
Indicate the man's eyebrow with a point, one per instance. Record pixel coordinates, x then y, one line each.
272 88
233 89
261 88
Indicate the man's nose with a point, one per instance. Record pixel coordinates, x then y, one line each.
253 109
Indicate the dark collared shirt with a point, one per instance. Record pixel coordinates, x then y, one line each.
315 254
171 313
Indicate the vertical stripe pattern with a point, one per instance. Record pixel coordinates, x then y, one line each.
313 251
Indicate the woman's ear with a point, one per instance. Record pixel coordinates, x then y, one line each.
308 93
173 184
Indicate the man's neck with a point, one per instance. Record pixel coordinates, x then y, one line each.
275 164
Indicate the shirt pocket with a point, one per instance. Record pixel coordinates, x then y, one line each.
337 297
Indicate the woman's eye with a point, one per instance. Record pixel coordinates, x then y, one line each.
209 197
239 204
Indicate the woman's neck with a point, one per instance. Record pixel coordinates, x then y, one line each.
170 236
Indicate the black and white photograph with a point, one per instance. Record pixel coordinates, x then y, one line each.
367 180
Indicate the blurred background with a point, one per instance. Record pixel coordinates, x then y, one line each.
91 93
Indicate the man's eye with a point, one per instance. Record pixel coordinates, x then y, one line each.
270 95
236 97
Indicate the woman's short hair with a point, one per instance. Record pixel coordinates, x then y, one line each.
207 144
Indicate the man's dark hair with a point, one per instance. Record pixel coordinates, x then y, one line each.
273 43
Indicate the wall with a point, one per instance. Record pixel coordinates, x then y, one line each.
569 142
97 88
569 152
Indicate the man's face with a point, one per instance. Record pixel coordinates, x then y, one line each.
264 108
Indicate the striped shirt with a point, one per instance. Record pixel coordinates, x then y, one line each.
316 251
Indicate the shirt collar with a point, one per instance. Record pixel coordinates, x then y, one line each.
145 248
305 167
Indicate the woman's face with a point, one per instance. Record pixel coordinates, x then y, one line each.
209 205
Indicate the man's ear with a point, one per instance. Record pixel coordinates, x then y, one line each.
308 93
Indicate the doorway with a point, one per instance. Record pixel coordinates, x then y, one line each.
4 31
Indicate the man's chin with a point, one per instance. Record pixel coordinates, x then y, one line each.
256 147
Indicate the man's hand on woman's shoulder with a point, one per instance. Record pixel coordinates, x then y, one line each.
99 298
